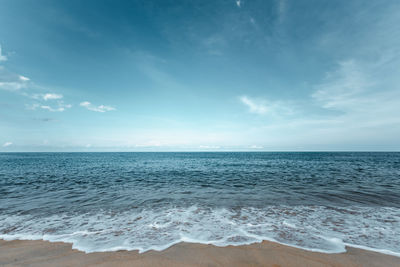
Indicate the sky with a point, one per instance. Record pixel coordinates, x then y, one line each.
241 75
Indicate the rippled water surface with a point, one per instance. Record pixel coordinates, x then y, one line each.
111 201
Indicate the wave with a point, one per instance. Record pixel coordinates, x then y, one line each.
314 228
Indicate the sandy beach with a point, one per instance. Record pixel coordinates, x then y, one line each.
43 253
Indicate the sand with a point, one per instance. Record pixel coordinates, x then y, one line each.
43 253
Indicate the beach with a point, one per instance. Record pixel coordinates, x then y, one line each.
199 133
44 253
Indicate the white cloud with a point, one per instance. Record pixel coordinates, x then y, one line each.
255 106
6 144
53 109
52 96
85 104
238 3
101 108
2 57
23 78
60 108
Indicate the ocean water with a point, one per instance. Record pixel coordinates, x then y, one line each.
143 201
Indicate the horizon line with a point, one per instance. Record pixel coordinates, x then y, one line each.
216 151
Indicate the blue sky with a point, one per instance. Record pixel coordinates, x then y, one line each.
266 75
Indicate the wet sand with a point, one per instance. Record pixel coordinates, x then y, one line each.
43 253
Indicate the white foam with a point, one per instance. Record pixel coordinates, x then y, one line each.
383 251
313 228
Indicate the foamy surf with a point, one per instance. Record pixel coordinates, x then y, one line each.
313 228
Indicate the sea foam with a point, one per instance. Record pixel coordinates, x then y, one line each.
314 228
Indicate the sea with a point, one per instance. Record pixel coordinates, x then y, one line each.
318 201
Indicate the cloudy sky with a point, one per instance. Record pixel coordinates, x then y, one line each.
264 75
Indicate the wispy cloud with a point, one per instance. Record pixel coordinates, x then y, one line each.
352 107
2 57
12 86
6 144
101 108
276 109
363 100
12 82
60 107
46 96
49 96
343 86
255 106
238 3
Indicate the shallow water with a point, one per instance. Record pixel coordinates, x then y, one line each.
111 201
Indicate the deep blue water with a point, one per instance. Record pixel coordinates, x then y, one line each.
109 201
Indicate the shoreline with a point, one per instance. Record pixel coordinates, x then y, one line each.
267 253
